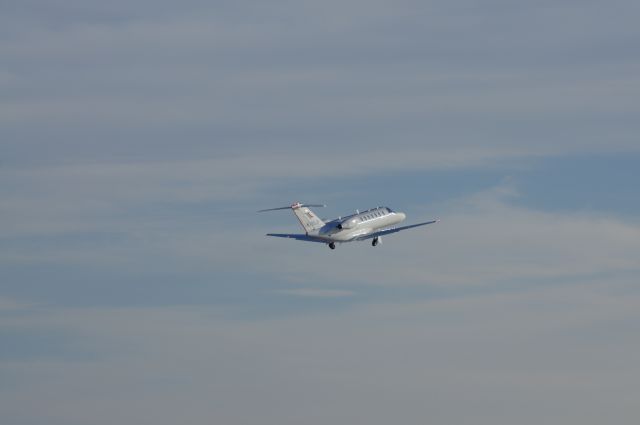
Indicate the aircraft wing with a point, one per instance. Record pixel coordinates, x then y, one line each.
394 230
298 237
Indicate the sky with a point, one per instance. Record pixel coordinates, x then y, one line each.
138 139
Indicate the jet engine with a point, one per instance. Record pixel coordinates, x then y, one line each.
349 223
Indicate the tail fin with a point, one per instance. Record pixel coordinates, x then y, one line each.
305 216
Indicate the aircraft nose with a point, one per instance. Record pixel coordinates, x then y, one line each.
402 215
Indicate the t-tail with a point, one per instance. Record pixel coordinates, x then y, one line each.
307 218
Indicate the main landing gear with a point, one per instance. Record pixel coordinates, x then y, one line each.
332 245
374 242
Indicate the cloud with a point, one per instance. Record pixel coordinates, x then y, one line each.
217 82
482 240
317 293
11 305
138 138
516 356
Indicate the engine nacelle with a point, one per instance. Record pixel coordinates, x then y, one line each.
349 223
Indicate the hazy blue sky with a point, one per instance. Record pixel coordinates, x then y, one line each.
137 139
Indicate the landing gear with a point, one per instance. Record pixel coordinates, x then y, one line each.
332 245
374 242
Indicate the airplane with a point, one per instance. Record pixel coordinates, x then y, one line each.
370 224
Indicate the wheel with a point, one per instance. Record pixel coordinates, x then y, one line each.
374 242
332 245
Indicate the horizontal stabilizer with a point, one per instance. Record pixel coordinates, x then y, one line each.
299 237
293 207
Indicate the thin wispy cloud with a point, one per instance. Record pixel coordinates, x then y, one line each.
138 138
316 292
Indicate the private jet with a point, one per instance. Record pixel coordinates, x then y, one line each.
370 224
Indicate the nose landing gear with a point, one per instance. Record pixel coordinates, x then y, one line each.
375 242
332 245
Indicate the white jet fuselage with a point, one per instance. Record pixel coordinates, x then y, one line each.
371 224
358 225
